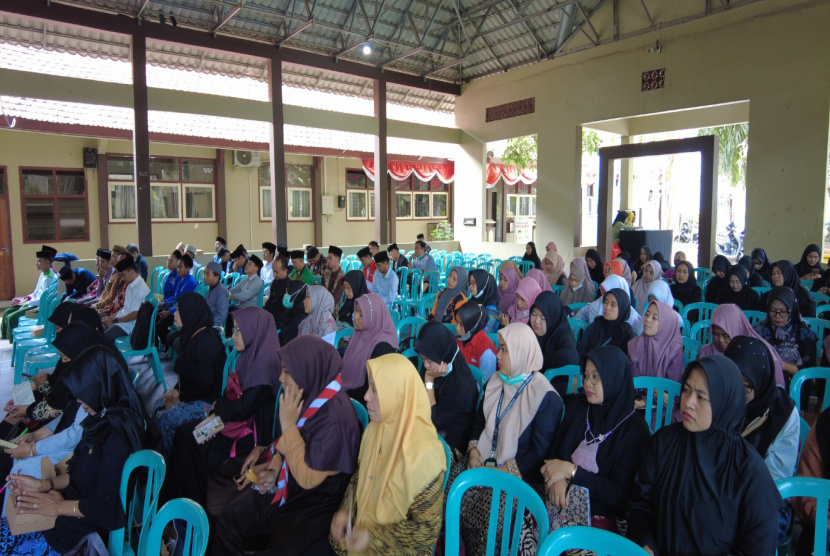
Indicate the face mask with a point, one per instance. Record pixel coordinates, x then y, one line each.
576 289
758 266
518 379
449 365
286 301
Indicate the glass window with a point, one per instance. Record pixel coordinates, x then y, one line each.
356 179
299 204
72 218
265 175
39 216
198 171
439 205
198 202
38 182
297 175
54 205
419 185
511 205
164 202
422 205
120 167
164 169
533 206
265 203
403 185
356 201
510 189
4 185
122 201
371 204
403 205
70 182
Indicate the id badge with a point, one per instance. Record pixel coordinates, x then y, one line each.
490 462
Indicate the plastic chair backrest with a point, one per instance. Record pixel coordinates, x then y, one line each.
820 327
448 455
202 289
588 538
518 495
820 297
494 337
559 289
525 266
761 289
691 348
702 331
678 305
429 281
482 383
396 316
414 325
704 310
266 287
195 540
578 327
426 303
810 373
658 386
154 276
804 430
413 292
571 371
575 307
702 273
230 365
200 275
411 354
807 284
822 309
342 333
120 541
362 414
810 487
754 316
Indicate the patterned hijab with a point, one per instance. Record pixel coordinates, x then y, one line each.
378 327
320 322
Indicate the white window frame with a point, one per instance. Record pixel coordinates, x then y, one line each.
518 197
432 196
178 188
307 191
111 189
263 204
403 193
415 204
183 197
369 209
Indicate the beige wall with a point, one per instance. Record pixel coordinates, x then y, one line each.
772 53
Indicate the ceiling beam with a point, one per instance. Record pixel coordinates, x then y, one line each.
406 54
141 9
235 10
295 32
446 66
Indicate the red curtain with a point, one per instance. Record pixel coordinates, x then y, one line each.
509 173
401 170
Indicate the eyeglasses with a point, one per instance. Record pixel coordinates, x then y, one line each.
774 313
235 330
593 378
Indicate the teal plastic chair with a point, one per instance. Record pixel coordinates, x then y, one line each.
230 365
525 266
448 455
810 487
362 414
754 316
425 305
154 276
691 348
702 274
572 371
195 535
149 351
342 333
559 289
761 289
810 373
414 325
518 495
604 543
396 316
266 287
494 337
482 383
820 298
575 307
821 328
704 311
678 306
411 354
807 284
656 387
144 497
702 332
804 430
200 275
158 285
578 327
825 308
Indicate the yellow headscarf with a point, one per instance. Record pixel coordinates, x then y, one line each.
400 455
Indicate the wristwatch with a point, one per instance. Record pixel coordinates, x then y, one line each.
429 385
115 320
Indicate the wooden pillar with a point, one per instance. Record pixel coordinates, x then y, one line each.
317 195
103 202
276 151
141 144
383 222
221 212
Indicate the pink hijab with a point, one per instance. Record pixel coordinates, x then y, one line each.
528 290
732 320
378 327
539 277
660 355
508 296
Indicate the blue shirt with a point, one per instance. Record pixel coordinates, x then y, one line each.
386 286
183 285
83 279
424 262
217 299
141 266
169 287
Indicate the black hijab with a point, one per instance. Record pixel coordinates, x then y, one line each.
746 298
688 292
756 365
658 256
98 377
488 291
596 272
755 279
791 279
195 315
60 316
72 340
716 285
88 315
357 282
700 481
638 264
765 271
456 393
557 344
803 267
296 313
626 256
474 318
533 257
604 332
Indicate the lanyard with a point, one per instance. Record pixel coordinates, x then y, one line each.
500 415
601 438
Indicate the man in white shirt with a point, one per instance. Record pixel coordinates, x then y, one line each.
386 280
268 251
123 322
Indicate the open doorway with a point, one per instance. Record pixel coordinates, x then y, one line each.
511 190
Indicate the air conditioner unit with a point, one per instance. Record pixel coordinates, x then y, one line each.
246 159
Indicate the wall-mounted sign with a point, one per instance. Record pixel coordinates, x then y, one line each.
469 221
511 110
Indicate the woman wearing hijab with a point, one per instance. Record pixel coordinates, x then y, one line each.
809 267
685 288
475 345
315 454
319 310
599 445
539 277
728 321
451 297
484 292
639 264
395 500
580 288
451 388
85 498
784 274
514 427
354 287
594 262
549 322
199 368
651 272
531 255
509 279
786 331
679 257
661 291
553 267
762 264
719 282
246 409
739 292
373 325
772 422
658 351
590 312
755 279
294 301
698 479
611 328
614 266
526 294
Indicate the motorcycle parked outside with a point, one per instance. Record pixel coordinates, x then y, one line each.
730 244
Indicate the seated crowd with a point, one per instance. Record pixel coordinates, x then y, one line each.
290 351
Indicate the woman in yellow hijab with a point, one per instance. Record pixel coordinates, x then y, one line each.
394 503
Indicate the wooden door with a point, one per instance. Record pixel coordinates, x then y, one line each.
6 265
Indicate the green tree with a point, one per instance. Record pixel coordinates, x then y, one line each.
522 152
733 146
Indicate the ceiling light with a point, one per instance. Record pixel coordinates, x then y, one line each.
367 49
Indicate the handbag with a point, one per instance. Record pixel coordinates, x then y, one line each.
237 429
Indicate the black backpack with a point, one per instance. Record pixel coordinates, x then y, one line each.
141 331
